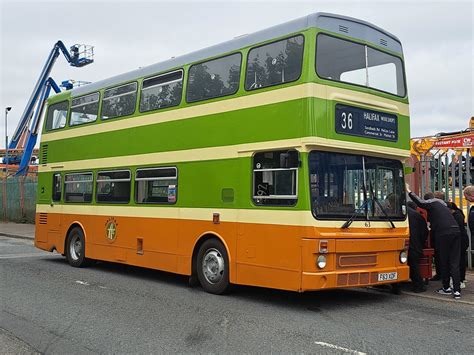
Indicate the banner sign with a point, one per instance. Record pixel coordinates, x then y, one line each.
466 141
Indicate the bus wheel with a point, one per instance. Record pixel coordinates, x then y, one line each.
213 267
75 248
396 288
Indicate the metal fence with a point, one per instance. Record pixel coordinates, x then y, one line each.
18 196
447 172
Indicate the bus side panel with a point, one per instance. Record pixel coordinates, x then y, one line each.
190 232
269 256
139 241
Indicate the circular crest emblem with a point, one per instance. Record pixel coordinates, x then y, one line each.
111 231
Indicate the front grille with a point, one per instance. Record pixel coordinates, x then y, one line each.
357 279
356 260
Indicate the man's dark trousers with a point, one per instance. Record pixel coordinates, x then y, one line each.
414 262
436 254
449 246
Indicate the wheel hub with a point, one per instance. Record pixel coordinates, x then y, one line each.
75 247
213 266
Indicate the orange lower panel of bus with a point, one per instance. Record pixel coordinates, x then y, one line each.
274 256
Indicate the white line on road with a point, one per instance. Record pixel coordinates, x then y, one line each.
82 283
336 347
15 256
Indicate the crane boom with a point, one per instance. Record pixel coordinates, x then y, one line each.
30 121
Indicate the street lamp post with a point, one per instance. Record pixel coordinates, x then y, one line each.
7 109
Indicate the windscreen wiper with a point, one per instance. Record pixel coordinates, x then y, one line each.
351 218
363 206
371 190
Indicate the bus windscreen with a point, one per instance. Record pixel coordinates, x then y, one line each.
346 184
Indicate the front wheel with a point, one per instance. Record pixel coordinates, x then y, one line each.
76 247
396 288
212 267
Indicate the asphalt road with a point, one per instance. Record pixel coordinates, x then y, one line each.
49 307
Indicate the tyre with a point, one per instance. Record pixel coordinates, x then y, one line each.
212 266
396 288
76 248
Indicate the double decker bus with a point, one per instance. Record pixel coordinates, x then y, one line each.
273 160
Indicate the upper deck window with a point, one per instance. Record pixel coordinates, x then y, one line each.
354 63
119 101
84 109
56 117
214 78
275 63
161 91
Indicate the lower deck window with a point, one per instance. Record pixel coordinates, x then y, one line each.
156 185
113 186
78 187
275 178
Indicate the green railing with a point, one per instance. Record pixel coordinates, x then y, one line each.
18 199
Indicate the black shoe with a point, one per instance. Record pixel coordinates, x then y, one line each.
419 289
435 278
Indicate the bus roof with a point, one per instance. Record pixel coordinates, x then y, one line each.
348 26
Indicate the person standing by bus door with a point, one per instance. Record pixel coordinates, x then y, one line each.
469 195
448 239
458 215
439 195
418 235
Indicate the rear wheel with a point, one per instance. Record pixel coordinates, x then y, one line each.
76 247
212 266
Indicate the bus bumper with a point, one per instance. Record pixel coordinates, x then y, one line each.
353 278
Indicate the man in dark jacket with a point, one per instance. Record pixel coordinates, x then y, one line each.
458 215
469 195
437 263
448 239
418 235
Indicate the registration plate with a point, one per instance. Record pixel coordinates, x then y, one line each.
388 276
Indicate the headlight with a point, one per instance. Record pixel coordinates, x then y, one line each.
321 261
403 256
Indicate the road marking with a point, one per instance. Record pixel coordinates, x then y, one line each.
336 347
82 283
18 256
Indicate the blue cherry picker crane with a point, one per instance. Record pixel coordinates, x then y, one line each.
26 134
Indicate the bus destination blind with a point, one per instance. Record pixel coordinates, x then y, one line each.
361 122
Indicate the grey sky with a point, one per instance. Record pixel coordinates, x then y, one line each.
437 38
